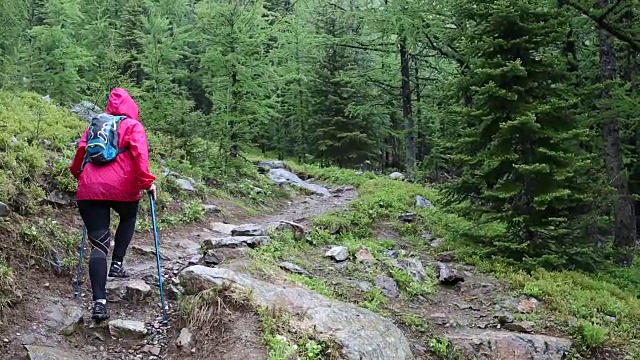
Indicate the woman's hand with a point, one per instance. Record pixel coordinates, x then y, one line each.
154 191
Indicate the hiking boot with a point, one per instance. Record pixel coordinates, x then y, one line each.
117 270
99 312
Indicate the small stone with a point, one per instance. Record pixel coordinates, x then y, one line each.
212 258
408 217
388 285
184 339
5 340
293 268
73 317
4 209
137 290
527 305
338 253
155 350
127 329
505 318
396 176
447 256
248 230
211 209
522 326
234 242
364 255
222 228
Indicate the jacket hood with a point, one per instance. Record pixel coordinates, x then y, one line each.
120 103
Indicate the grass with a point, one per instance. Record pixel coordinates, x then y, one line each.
601 309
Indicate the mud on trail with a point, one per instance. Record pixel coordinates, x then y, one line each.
49 323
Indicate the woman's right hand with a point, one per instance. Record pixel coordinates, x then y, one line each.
154 191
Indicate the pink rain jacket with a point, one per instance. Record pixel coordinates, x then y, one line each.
125 177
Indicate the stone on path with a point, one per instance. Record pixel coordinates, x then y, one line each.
147 250
137 290
413 267
127 329
43 352
359 333
338 253
282 176
234 242
73 318
291 267
447 275
487 344
222 228
184 339
388 286
248 230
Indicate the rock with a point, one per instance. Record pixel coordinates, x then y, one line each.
388 286
446 256
394 253
55 261
435 243
149 251
137 290
282 176
396 176
212 258
73 318
46 99
234 242
358 333
86 110
423 203
338 253
521 326
41 352
504 318
293 268
265 166
211 209
298 230
487 344
364 255
222 228
60 198
185 185
4 210
439 318
408 217
413 267
116 291
342 189
248 230
527 305
127 329
447 275
184 339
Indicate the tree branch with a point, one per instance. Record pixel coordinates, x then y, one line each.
602 24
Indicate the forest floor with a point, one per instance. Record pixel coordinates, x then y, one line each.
386 272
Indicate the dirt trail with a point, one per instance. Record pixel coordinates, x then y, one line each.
37 322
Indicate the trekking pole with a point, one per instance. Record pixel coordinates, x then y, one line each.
165 320
76 291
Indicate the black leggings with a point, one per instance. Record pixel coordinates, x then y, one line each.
96 215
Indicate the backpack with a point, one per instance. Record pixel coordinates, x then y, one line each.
102 139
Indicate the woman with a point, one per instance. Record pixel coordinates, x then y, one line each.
118 186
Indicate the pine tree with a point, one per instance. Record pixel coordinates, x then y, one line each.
519 149
339 135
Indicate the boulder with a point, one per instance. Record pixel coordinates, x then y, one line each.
127 329
396 176
359 333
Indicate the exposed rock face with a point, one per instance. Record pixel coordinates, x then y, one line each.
360 333
37 352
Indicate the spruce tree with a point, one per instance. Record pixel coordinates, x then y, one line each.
341 136
519 145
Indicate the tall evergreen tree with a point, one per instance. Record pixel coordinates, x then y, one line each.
519 149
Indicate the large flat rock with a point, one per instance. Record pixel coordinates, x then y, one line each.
41 352
360 333
487 344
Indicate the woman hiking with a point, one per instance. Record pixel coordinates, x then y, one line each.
111 180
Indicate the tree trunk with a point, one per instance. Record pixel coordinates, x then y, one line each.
624 214
405 71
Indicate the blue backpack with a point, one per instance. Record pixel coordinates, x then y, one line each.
102 139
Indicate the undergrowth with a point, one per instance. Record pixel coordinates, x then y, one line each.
37 143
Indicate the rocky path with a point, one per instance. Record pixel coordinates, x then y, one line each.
57 326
